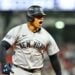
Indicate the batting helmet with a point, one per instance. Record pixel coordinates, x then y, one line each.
34 11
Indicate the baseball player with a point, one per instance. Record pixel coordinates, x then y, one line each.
31 41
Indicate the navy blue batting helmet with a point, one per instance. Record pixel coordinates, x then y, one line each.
34 11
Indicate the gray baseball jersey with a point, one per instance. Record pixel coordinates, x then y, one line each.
30 46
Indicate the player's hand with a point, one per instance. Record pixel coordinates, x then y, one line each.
6 69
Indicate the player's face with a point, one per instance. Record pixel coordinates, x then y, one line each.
38 20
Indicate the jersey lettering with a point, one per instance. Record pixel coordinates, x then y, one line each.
32 44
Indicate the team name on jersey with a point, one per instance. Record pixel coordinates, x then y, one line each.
32 44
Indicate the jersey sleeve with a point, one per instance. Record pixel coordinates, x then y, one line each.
52 46
11 36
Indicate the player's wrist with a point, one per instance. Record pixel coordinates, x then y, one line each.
6 68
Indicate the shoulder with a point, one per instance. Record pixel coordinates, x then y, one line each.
48 35
16 28
45 32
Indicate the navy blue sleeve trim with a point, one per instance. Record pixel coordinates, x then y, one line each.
4 46
55 64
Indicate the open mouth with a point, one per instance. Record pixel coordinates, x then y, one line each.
40 22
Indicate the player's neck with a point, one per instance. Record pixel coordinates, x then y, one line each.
32 27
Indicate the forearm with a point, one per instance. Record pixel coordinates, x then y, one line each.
6 67
3 47
55 64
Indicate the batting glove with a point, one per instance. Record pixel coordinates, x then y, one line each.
6 69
